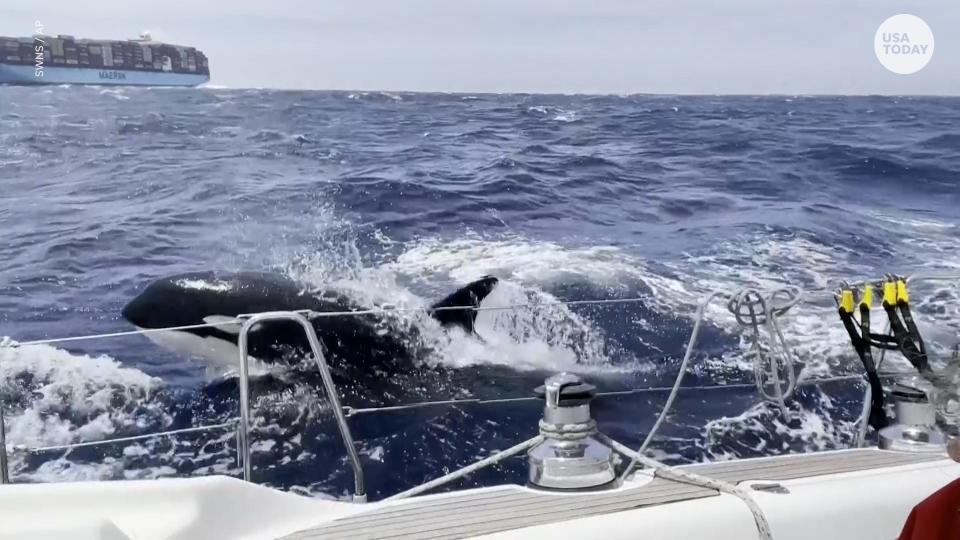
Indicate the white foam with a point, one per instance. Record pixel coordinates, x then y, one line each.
546 337
535 262
115 93
911 221
69 398
532 266
814 429
555 338
558 114
551 337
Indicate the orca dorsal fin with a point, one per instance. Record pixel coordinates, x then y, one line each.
470 296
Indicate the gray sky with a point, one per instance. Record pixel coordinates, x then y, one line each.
563 46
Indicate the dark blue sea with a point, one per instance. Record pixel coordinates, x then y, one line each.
397 199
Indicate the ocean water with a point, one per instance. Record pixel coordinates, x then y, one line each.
399 198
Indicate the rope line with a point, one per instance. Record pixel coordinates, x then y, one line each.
460 473
754 310
679 475
567 432
743 306
691 344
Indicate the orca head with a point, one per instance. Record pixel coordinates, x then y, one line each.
208 298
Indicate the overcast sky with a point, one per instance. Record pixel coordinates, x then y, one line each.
563 46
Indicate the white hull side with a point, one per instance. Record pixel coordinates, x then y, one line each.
862 504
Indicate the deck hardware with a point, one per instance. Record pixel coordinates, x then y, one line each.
915 427
569 457
359 493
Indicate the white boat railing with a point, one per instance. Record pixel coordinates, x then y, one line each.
242 424
359 492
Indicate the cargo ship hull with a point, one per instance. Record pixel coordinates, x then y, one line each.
63 59
28 74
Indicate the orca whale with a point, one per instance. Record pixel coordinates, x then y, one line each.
373 361
363 350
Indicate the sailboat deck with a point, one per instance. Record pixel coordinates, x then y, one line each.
511 507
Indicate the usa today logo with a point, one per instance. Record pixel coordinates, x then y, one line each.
903 44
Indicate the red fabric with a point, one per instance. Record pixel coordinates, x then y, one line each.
937 517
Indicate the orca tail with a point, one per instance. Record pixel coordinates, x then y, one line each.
467 297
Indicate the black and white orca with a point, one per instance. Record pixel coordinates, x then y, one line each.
358 347
373 358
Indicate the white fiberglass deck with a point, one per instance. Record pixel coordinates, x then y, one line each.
848 495
509 508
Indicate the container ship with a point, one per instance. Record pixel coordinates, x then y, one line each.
62 59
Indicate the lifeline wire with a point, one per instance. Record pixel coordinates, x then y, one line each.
350 411
769 310
323 314
39 449
735 303
376 311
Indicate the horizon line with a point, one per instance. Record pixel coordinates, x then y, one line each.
209 86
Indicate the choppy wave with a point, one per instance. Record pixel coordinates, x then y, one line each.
53 397
396 199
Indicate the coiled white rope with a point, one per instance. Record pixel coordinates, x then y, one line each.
753 310
568 432
747 299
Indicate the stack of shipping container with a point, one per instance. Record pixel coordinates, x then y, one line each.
14 51
66 51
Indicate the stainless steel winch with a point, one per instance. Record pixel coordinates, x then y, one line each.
915 428
569 457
